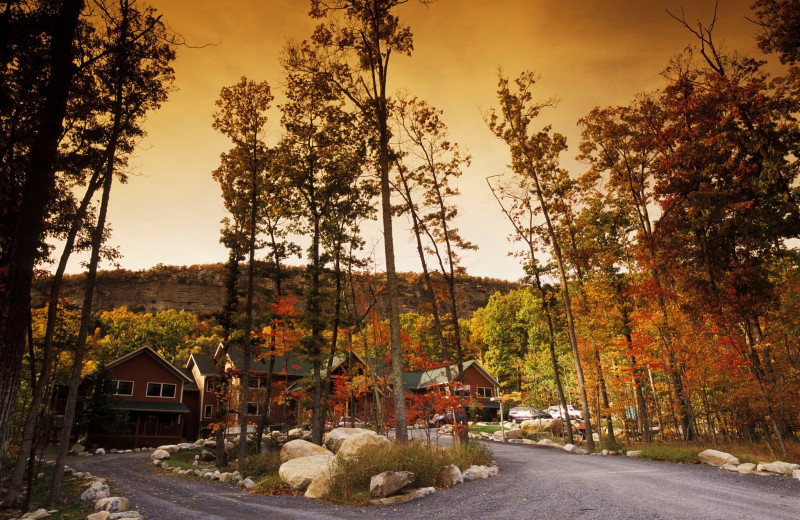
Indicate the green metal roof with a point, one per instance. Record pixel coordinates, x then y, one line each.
147 406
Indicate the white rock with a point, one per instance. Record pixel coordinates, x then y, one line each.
568 447
186 446
406 497
320 484
226 477
796 474
333 439
354 444
159 455
134 515
747 467
493 471
76 449
299 473
101 515
731 467
541 426
171 448
112 504
295 433
300 448
634 453
474 473
96 491
389 483
35 515
717 458
514 434
99 451
449 476
247 483
778 467
546 442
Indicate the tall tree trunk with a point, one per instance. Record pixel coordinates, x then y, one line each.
401 426
83 332
36 196
416 227
266 410
40 386
565 297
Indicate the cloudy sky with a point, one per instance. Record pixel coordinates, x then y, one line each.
588 53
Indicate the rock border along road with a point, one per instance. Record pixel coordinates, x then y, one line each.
534 482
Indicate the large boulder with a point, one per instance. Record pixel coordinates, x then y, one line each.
95 492
356 443
320 484
542 426
295 433
112 504
747 467
76 449
132 515
474 473
333 439
778 467
186 446
390 483
717 458
299 473
402 498
449 476
300 448
516 433
171 448
159 455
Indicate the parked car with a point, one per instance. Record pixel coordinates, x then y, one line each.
524 413
556 412
345 421
521 413
440 419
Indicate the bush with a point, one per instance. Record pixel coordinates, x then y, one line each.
260 465
352 477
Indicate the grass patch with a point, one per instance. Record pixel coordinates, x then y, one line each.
488 429
679 454
261 465
69 507
273 485
352 477
182 459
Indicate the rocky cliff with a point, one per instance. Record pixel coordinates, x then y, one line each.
200 289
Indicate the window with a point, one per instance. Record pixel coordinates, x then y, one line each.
160 390
485 391
208 411
253 409
210 383
256 382
114 387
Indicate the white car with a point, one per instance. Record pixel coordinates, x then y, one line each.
555 411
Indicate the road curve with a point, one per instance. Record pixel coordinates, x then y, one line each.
534 482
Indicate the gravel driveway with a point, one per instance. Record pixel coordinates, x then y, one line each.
534 482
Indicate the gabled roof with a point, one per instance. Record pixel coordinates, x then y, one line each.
205 364
149 351
190 385
289 364
438 376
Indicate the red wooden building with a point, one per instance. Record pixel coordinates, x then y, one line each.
154 402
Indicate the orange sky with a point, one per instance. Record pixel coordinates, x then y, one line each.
588 52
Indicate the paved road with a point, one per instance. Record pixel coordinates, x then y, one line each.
535 482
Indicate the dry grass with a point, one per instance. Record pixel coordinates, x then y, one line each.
745 452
